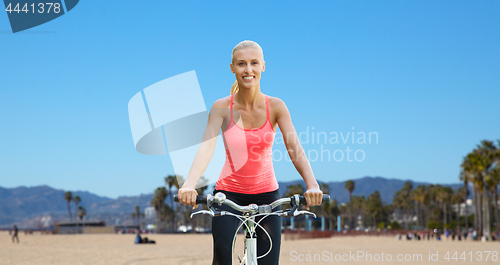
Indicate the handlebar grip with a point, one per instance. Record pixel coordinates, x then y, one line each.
302 199
200 199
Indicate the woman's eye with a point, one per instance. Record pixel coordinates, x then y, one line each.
254 62
240 63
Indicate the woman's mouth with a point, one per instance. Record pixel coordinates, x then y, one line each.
248 78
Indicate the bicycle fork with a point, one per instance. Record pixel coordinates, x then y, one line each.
250 254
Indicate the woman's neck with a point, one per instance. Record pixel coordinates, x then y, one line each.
248 98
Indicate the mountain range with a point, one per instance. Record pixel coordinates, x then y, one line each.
27 206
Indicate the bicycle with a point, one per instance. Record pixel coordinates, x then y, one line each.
248 218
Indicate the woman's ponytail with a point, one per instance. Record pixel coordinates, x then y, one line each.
234 88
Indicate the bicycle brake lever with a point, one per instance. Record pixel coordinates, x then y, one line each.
303 212
286 213
203 212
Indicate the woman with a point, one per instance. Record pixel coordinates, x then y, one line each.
249 129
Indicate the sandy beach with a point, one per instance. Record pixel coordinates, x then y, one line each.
107 249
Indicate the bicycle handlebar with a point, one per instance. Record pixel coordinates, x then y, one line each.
296 199
200 199
302 199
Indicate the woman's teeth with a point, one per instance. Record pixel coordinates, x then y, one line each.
248 77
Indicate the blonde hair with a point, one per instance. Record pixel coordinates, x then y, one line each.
243 45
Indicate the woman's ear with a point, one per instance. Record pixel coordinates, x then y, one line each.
231 66
264 66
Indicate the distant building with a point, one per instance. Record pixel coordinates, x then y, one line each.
150 217
126 229
82 227
47 222
469 206
150 213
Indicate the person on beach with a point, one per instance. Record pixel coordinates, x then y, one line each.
15 236
248 131
140 240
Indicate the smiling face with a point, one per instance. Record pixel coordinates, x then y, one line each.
247 67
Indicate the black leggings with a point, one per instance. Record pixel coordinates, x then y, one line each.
224 228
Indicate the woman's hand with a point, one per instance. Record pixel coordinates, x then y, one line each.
187 196
314 196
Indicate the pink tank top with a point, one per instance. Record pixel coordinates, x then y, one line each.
248 167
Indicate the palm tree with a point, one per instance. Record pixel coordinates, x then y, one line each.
374 206
398 204
158 203
444 197
459 197
358 208
325 207
137 214
350 186
178 180
68 196
465 178
333 211
325 188
487 151
480 164
494 181
405 197
81 212
471 174
170 182
76 201
419 196
294 189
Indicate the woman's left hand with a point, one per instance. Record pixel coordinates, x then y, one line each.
313 197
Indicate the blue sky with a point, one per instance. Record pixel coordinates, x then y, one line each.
423 75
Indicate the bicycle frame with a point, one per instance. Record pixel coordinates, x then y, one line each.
250 247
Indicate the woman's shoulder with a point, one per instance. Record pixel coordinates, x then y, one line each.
222 102
276 103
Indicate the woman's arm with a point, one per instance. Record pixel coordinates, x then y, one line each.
313 194
187 193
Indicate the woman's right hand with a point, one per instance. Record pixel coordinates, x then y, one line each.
187 196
